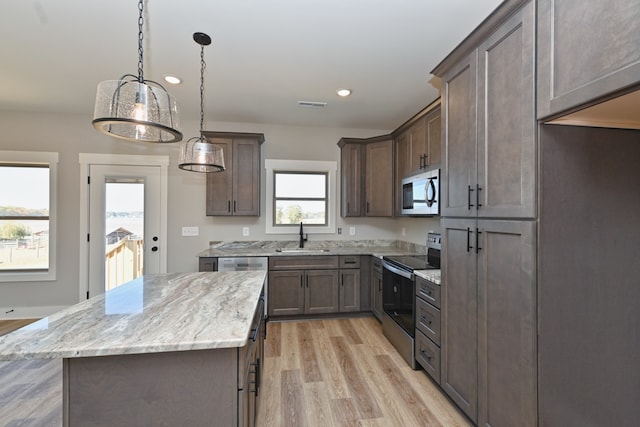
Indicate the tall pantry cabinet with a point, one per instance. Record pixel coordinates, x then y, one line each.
488 361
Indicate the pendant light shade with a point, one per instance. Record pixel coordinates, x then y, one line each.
198 154
136 109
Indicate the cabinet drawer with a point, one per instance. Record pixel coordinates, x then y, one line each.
349 261
428 356
428 320
303 262
428 291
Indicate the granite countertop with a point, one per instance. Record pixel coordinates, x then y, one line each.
290 248
154 313
430 275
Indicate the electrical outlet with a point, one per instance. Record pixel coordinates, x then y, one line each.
245 231
352 231
190 231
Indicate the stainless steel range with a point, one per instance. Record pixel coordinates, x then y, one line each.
399 296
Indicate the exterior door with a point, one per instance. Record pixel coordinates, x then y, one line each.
125 217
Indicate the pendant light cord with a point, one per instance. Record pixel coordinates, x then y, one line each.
140 38
203 65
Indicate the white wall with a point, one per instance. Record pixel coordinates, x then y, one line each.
73 134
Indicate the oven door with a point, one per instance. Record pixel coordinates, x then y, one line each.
398 296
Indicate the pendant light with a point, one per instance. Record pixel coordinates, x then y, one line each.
197 154
136 109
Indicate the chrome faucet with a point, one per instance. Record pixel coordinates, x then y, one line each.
302 237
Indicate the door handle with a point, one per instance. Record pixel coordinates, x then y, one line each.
478 248
469 247
469 191
478 190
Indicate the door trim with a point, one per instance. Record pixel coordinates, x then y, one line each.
87 159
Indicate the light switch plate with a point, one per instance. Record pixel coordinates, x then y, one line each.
245 231
190 231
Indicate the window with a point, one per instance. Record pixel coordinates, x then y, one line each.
300 191
27 216
300 197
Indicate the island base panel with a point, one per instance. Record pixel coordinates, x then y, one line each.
195 388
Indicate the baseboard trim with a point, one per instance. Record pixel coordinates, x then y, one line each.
10 313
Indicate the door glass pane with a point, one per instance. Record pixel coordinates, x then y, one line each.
124 228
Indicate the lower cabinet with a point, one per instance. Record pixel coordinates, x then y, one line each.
250 363
488 326
314 285
427 345
303 292
207 264
376 287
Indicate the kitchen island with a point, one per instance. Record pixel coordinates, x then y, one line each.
168 349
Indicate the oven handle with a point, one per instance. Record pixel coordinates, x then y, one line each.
397 270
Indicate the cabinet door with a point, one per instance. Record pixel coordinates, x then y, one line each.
286 293
507 323
402 167
207 264
246 177
321 293
459 165
379 179
459 331
433 138
220 184
349 290
587 50
417 149
351 180
376 287
506 126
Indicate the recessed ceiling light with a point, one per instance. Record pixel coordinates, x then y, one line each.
343 92
172 79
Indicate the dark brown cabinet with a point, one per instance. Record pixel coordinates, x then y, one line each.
489 333
303 285
349 283
366 178
488 105
207 264
587 52
428 329
488 317
376 287
351 178
236 190
417 146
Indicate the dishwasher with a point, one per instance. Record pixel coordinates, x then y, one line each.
249 263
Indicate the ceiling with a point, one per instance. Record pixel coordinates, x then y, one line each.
265 55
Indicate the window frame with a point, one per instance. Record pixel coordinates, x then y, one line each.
301 166
37 159
324 199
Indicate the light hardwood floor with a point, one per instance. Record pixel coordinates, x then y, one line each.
343 372
338 372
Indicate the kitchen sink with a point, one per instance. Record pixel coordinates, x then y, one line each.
301 251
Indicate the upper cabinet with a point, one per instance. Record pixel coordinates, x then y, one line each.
236 191
489 159
417 147
366 176
587 52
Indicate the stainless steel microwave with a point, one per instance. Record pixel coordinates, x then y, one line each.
421 194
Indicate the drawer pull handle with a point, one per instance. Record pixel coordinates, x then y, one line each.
425 355
426 320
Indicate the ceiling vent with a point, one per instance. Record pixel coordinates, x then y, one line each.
312 104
